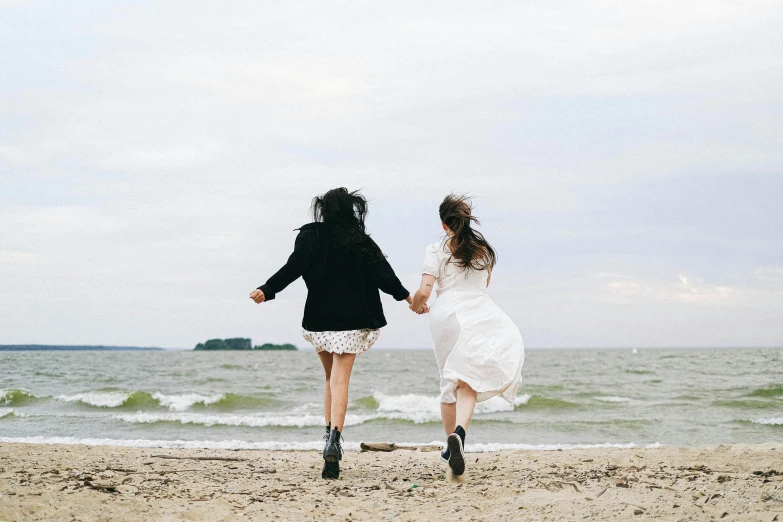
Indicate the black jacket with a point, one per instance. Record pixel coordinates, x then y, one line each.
342 289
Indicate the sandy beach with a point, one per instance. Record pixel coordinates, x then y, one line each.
73 482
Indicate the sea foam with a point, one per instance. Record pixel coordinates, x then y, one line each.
185 401
412 408
100 399
254 420
773 421
613 399
301 446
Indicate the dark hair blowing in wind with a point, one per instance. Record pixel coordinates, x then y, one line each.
469 249
347 211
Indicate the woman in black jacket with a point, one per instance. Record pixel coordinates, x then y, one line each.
344 270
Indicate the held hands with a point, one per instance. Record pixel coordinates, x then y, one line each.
257 296
423 309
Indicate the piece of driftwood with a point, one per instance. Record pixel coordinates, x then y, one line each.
101 487
230 459
602 491
382 446
390 446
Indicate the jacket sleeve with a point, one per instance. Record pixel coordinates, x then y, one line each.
384 277
297 264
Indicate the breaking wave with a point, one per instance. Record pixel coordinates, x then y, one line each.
773 421
140 400
16 397
301 446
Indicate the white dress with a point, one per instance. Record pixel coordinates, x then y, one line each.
475 342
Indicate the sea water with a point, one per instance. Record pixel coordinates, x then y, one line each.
273 400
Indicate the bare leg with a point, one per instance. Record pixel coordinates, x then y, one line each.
326 361
342 364
466 402
448 413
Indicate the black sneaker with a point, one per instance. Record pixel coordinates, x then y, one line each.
456 454
333 454
445 454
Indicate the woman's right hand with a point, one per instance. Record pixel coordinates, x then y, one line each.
422 310
257 296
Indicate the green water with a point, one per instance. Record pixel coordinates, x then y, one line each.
682 397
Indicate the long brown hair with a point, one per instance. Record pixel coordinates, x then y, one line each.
468 247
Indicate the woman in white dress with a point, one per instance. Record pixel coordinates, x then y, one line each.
478 348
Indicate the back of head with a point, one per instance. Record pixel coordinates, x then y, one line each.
340 207
469 249
347 211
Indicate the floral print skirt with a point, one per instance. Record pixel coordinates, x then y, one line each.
348 341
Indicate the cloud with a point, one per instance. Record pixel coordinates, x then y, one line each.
767 284
154 162
628 291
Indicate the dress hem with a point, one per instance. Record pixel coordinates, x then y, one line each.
494 392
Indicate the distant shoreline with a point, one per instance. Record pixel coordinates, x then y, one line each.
72 348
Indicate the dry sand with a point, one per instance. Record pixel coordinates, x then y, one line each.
58 482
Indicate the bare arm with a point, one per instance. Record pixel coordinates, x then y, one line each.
424 291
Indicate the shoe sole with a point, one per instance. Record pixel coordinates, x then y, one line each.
331 468
457 458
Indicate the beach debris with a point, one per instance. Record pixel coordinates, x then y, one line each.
175 457
379 446
638 511
101 487
710 497
390 446
602 491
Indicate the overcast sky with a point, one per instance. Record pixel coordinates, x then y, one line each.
626 158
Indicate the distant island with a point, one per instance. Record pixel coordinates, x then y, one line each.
240 343
44 347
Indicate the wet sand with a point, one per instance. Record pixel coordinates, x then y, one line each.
71 482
